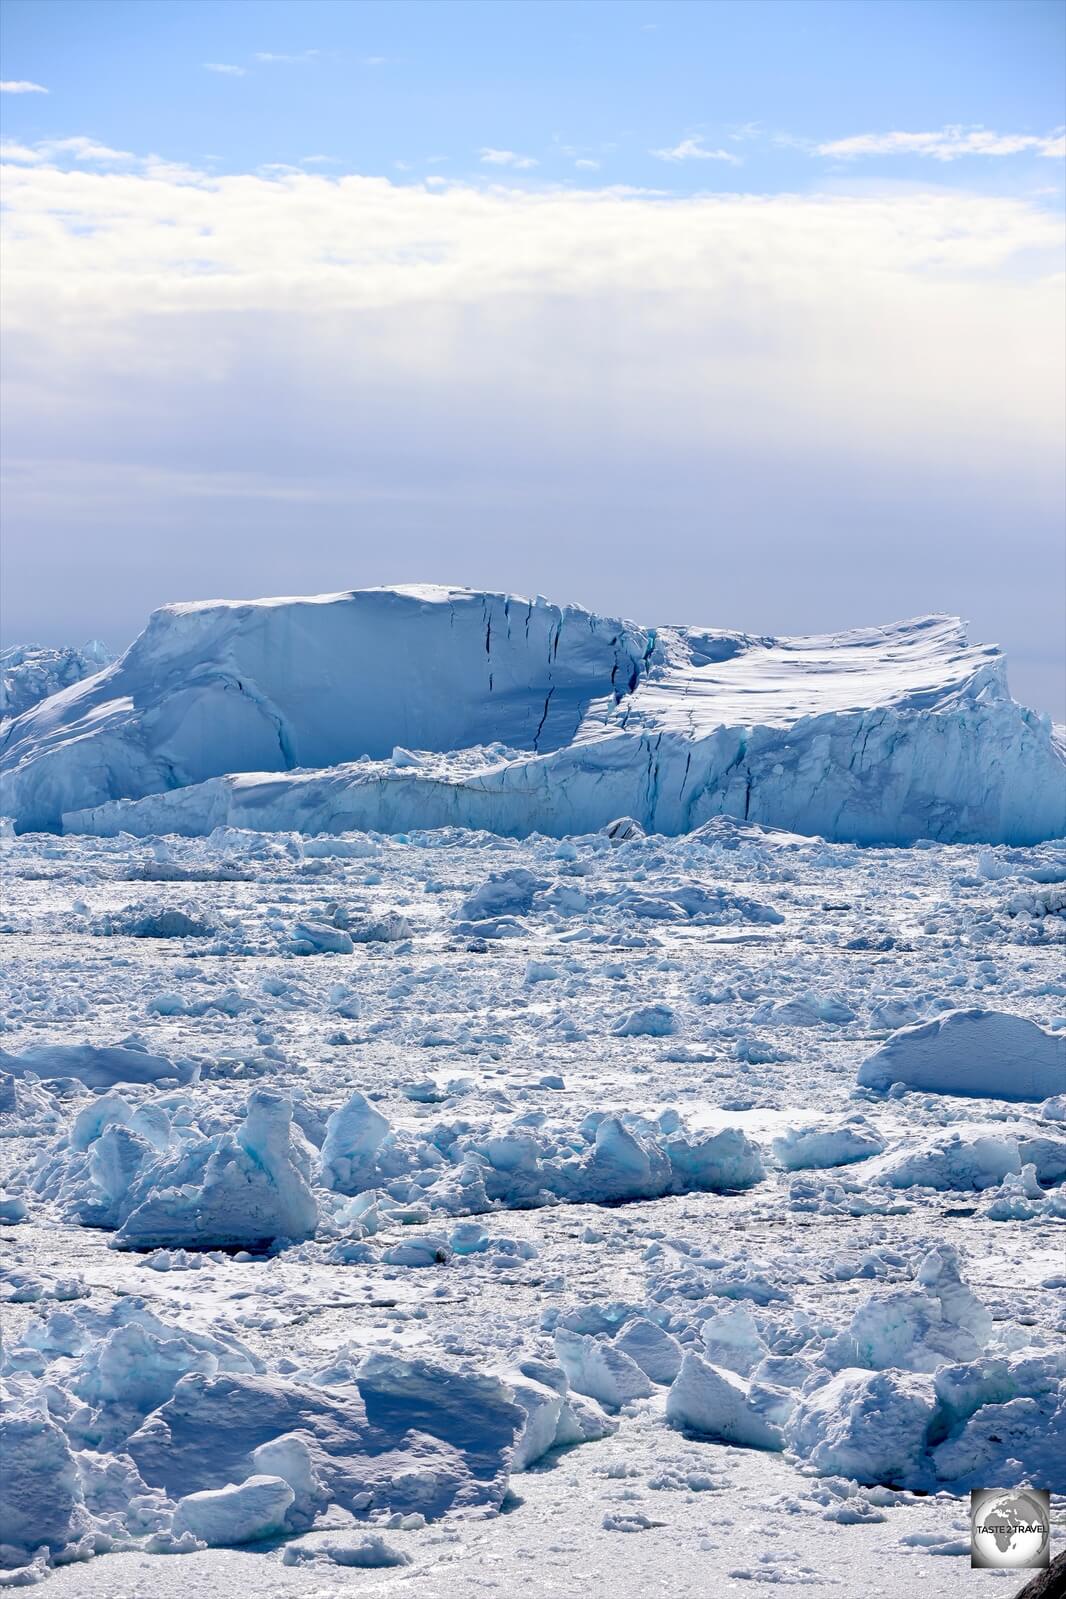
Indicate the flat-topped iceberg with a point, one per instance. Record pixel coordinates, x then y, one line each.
392 709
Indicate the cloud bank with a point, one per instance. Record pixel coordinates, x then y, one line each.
777 412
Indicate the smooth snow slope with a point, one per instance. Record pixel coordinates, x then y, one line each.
533 719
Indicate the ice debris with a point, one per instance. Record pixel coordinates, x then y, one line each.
123 1429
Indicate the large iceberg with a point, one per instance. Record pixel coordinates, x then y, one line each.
390 709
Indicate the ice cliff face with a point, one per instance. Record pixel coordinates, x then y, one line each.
272 685
422 707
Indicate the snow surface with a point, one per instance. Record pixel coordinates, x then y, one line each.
556 1186
415 707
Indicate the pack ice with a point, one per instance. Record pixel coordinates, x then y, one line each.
412 707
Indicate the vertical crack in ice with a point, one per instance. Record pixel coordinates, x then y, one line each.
272 714
543 718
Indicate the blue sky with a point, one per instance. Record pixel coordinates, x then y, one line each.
588 91
742 314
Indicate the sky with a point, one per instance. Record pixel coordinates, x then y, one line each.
748 315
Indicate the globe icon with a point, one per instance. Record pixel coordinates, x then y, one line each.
1009 1529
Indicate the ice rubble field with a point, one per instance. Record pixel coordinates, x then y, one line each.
608 1214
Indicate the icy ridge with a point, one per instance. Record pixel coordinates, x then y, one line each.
29 673
392 709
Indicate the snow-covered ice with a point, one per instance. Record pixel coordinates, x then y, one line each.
655 1191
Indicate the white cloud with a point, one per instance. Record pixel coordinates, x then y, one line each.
225 68
695 150
21 86
147 308
507 158
155 166
795 253
79 148
586 164
10 150
268 58
948 144
83 149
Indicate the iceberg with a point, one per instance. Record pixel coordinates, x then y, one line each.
418 707
122 1430
978 1053
270 685
246 1188
600 1370
708 1400
872 1427
238 1513
406 1436
97 1066
528 1167
41 1499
